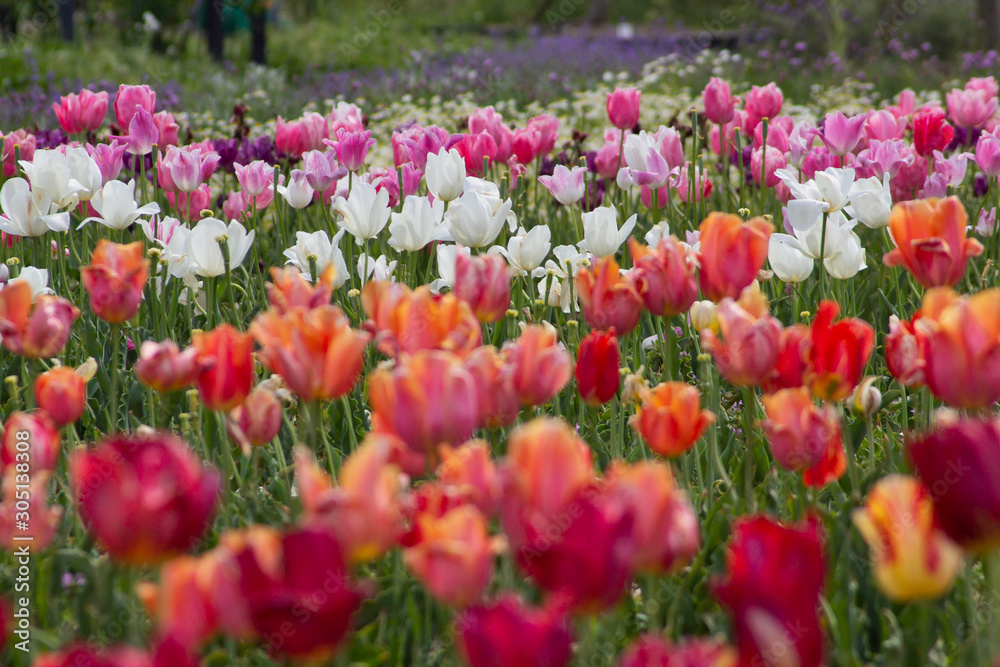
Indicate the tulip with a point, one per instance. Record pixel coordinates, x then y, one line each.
474 221
731 254
347 116
913 559
352 147
790 368
62 392
297 194
931 132
654 651
82 655
507 633
297 580
841 134
364 509
145 498
930 240
226 355
184 170
597 367
371 268
623 108
426 399
316 248
802 436
414 144
108 158
664 277
418 224
408 321
56 179
750 344
772 588
475 149
566 185
988 153
34 434
720 103
540 365
959 462
484 284
258 420
116 204
167 129
18 490
499 402
471 472
770 160
83 112
601 235
883 126
36 330
445 174
164 368
454 557
316 351
838 353
205 253
297 137
191 206
762 102
871 202
959 347
902 353
666 530
885 157
129 100
971 108
142 134
609 300
115 279
289 289
786 259
670 419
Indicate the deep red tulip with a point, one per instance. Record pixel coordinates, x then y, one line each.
931 132
652 650
772 588
508 633
597 367
145 498
790 368
838 353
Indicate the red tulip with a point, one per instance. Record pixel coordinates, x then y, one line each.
838 353
790 367
608 299
507 633
732 252
227 357
803 436
30 437
623 107
931 132
483 282
930 240
959 462
597 367
664 277
772 588
145 498
652 650
36 330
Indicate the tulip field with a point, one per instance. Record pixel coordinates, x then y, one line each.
703 376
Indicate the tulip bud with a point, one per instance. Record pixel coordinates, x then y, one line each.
62 393
703 316
597 367
258 420
866 399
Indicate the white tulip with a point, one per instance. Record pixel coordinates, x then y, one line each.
851 259
37 279
473 221
85 171
375 269
419 223
811 240
445 174
323 251
827 192
50 174
115 203
446 255
298 193
27 212
526 251
601 235
203 246
365 212
871 202
657 233
787 261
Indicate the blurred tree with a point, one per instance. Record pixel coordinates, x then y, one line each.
66 10
990 17
214 28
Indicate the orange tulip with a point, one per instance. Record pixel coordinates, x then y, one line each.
38 329
425 399
732 252
666 530
408 321
363 510
288 289
548 464
499 401
838 353
670 418
454 556
750 344
803 436
62 392
960 346
115 279
227 356
913 558
930 240
316 351
608 299
471 473
540 365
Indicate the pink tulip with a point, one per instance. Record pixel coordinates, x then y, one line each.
234 206
411 179
298 136
167 127
906 104
255 177
818 159
763 102
384 179
321 169
185 169
83 112
108 158
971 108
547 127
524 144
486 120
345 117
475 149
777 135
22 140
352 148
727 133
702 188
129 100
882 125
884 157
566 185
720 103
190 206
415 142
841 134
770 161
623 107
988 153
142 133
606 161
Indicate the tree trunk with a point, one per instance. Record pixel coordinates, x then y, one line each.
214 29
990 17
66 11
258 37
